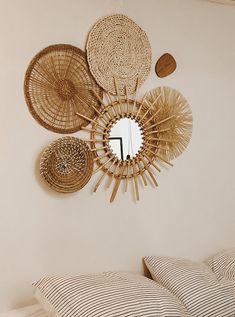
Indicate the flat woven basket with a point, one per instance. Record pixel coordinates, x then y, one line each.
118 48
57 84
67 164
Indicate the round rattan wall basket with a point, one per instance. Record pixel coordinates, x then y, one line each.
118 49
67 164
57 84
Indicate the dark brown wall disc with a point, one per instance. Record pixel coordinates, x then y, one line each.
165 66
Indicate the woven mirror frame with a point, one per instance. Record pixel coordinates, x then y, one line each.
67 164
57 84
165 121
118 49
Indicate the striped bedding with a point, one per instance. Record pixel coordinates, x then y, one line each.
223 264
195 285
110 294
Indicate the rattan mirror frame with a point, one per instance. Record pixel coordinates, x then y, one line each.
154 150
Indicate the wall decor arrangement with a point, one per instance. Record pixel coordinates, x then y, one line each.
68 90
67 164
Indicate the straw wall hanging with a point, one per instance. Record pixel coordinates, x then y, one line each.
67 164
178 130
117 48
57 84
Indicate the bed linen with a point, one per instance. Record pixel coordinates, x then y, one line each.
195 284
108 294
28 311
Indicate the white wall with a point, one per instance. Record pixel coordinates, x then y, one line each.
191 214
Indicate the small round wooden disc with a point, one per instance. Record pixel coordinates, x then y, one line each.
165 66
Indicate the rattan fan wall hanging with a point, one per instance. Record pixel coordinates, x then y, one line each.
178 129
57 84
67 164
118 50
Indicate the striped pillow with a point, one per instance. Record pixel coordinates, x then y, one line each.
109 294
195 285
223 264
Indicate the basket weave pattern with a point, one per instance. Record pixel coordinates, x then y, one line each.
118 47
57 84
67 164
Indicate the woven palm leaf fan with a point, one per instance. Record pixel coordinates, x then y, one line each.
67 164
57 84
174 113
119 54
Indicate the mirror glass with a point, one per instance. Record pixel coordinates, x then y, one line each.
125 138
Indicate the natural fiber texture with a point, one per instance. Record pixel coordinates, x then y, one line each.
67 164
118 48
142 166
178 130
57 84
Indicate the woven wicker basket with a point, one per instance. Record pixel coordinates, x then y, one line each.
67 164
57 84
118 48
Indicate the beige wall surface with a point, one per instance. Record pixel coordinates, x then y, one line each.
191 214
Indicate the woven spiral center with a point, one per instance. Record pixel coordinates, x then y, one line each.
67 164
66 89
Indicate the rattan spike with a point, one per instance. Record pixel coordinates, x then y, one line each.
94 130
135 181
103 165
141 172
113 174
118 181
140 108
102 156
151 162
103 176
127 175
127 100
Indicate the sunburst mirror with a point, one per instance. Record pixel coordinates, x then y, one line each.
131 137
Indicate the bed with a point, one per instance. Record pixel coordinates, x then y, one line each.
27 311
178 288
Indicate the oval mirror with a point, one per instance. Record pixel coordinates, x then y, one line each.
125 138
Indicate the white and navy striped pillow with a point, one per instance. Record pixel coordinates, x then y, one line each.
223 264
110 294
195 285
